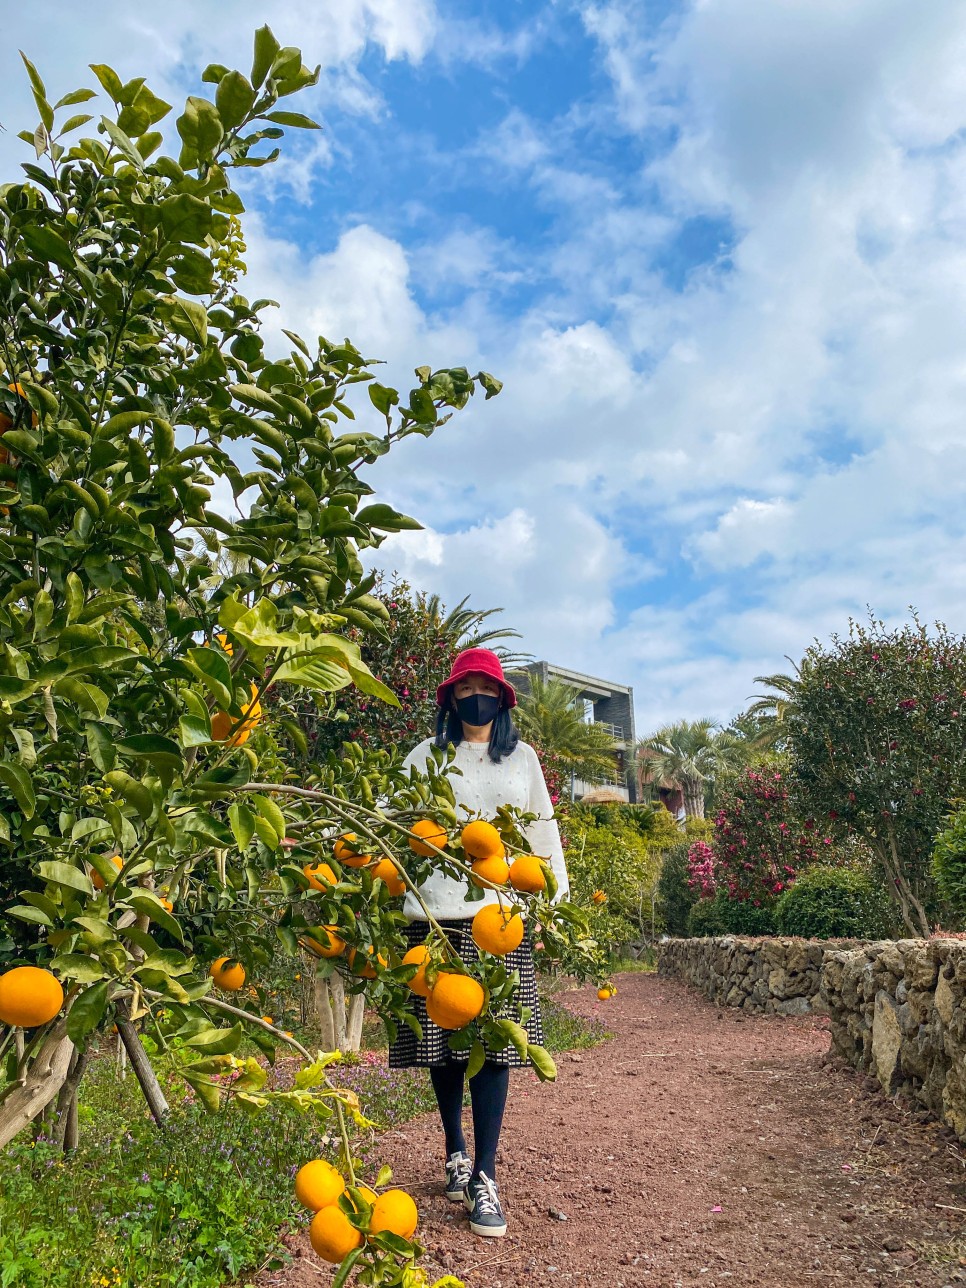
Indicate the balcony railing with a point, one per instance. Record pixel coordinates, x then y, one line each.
615 731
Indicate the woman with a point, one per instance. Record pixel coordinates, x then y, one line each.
474 704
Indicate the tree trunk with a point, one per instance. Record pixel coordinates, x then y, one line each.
66 1126
143 1071
322 1012
694 797
357 1010
913 913
38 1085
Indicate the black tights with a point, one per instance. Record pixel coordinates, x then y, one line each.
488 1091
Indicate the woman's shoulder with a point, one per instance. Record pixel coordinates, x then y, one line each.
420 752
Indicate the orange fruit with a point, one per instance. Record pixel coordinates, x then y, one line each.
319 875
454 1000
396 1212
497 930
332 1235
167 904
427 829
418 956
222 724
367 970
268 1019
387 871
495 870
599 897
526 873
228 974
225 643
348 850
481 840
323 941
97 881
606 992
317 1184
29 997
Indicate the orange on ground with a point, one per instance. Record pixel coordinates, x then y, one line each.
323 941
29 997
387 871
332 1236
599 897
348 850
497 930
481 840
228 973
418 956
496 871
454 1000
222 723
367 971
526 873
606 992
427 829
317 1184
319 875
97 881
396 1212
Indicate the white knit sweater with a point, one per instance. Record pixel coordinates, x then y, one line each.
483 787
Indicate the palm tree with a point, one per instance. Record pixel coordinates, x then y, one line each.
684 753
551 716
461 626
771 711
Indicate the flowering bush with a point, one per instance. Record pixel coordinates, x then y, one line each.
878 747
759 843
701 875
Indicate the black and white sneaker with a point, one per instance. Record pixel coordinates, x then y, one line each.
459 1169
483 1204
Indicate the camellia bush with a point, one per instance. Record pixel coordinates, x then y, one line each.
760 842
877 747
156 846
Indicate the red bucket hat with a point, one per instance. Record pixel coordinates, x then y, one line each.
477 661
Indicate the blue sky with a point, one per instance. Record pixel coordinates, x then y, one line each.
717 252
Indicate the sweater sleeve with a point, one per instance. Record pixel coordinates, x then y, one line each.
544 834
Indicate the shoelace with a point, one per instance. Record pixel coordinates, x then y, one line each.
459 1167
487 1199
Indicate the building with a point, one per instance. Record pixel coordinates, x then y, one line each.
607 704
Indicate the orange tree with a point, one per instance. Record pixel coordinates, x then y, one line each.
149 643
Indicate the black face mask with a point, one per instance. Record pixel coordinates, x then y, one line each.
478 709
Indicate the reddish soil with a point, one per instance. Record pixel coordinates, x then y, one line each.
697 1147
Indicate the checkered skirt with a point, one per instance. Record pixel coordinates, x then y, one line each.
408 1051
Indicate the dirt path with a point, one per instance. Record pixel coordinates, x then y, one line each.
698 1147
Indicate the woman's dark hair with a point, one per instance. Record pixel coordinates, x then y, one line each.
449 729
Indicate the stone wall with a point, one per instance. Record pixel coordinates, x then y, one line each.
896 1009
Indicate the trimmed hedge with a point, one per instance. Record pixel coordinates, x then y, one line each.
834 903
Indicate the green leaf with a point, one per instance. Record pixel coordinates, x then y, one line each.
476 1060
152 746
79 967
242 822
186 218
194 731
201 131
87 1010
88 697
25 913
266 47
385 518
207 1092
123 142
132 790
76 96
189 319
18 780
149 905
295 119
490 384
109 80
216 1041
43 241
258 627
123 422
234 99
212 669
382 397
270 812
25 746
542 1062
345 1270
517 1035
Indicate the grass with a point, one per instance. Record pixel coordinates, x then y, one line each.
199 1204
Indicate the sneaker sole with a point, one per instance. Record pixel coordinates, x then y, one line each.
485 1231
454 1196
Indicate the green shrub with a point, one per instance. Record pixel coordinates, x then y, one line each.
675 895
834 903
741 917
707 918
949 862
